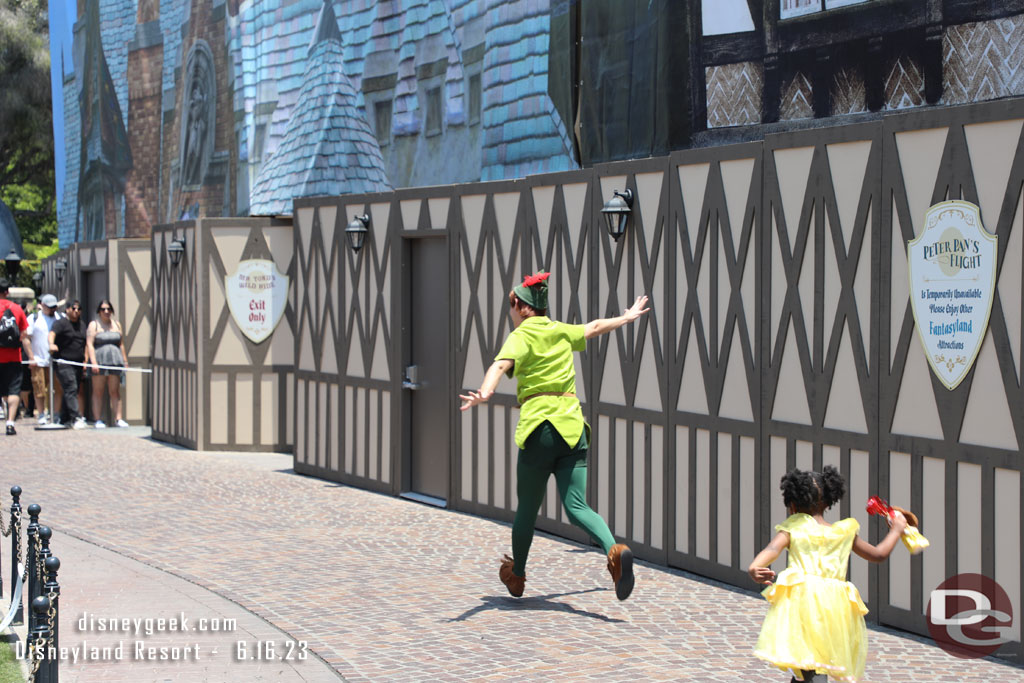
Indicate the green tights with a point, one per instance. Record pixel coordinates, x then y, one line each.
546 453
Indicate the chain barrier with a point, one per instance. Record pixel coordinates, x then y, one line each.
35 547
36 660
21 552
5 530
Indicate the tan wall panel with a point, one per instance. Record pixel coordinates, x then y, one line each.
859 490
920 153
320 429
805 455
968 512
373 472
639 493
140 343
301 445
900 590
385 439
350 437
703 479
777 468
501 453
1008 550
229 243
682 492
992 161
218 408
725 498
933 514
469 449
513 419
830 455
243 409
289 389
482 458
657 487
336 443
619 465
269 410
359 427
438 209
134 404
747 495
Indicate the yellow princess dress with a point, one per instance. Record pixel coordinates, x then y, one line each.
815 620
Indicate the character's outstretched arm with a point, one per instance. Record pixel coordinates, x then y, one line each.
487 387
595 328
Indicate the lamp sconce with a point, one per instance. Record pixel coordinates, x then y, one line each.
59 267
176 249
616 213
356 232
13 263
37 278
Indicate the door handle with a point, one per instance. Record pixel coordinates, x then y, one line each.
411 378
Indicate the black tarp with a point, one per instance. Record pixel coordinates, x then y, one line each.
619 76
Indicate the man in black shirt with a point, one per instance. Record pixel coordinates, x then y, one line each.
67 342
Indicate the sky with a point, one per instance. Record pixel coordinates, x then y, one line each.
62 23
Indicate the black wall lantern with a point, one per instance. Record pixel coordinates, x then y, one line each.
59 267
176 249
616 213
356 231
37 278
13 263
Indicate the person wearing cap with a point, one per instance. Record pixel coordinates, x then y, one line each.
67 342
13 333
551 435
37 348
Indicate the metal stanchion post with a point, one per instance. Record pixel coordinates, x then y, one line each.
15 547
39 637
31 534
52 592
52 424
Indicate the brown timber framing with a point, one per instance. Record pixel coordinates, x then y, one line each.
212 332
175 338
770 266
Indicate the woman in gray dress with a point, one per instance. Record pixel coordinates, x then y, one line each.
104 350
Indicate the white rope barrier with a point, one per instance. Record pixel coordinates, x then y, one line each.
15 608
86 365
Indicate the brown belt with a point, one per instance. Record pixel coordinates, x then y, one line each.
547 393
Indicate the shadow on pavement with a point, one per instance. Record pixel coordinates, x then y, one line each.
542 603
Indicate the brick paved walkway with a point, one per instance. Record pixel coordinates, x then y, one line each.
385 589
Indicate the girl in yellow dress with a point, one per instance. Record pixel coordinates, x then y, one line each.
815 621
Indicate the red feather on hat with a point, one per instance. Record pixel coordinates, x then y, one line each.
536 279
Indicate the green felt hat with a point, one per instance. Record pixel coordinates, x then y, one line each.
533 291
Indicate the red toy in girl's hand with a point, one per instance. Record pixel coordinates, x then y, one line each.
879 506
911 537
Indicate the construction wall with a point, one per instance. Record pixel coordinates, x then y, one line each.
780 336
215 389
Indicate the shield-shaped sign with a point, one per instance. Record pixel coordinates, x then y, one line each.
952 282
257 295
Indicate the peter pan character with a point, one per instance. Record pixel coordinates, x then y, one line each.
551 435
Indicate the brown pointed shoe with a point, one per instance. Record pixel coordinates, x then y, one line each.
513 582
620 566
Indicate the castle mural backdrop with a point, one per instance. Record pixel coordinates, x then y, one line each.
172 109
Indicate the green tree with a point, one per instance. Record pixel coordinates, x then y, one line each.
26 119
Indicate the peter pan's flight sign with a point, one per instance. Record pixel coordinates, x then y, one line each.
952 281
257 294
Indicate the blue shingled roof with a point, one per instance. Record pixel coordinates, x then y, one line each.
328 147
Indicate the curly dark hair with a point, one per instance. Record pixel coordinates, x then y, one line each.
812 492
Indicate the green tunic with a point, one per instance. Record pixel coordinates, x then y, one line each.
542 352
